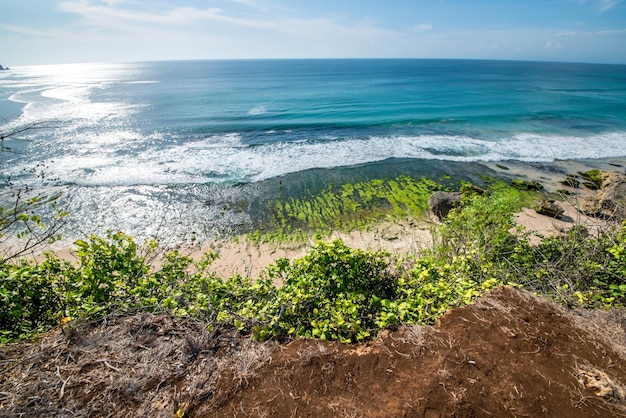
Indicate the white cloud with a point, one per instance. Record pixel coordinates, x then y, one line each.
605 5
179 32
109 16
602 5
139 30
423 27
554 45
591 34
24 31
253 4
612 32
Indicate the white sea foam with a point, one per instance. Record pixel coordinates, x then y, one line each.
257 110
127 158
19 97
281 158
74 94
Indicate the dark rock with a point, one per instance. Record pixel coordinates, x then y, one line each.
469 189
591 185
441 203
593 178
550 208
571 181
565 192
502 167
527 185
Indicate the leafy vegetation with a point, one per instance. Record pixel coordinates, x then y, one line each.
592 178
334 292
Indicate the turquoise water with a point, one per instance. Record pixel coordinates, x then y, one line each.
137 138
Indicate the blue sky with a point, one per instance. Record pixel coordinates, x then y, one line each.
51 32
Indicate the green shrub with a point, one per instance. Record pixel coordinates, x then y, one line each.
527 185
111 275
29 300
108 269
334 292
339 293
483 228
576 267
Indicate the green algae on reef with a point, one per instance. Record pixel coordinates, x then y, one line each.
352 205
348 206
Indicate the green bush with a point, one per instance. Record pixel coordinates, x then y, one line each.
576 268
339 293
483 229
334 292
112 275
110 268
29 300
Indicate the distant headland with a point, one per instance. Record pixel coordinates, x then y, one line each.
4 68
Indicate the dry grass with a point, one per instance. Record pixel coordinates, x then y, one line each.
157 364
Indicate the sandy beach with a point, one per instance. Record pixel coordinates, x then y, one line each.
399 238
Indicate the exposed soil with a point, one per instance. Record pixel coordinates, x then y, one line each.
509 354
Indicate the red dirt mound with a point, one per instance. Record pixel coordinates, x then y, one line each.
510 354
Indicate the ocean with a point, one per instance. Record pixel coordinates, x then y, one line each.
186 148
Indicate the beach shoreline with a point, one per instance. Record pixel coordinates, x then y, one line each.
550 174
240 256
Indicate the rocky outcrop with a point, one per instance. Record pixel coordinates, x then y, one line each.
470 189
441 203
550 208
3 68
609 202
571 181
391 232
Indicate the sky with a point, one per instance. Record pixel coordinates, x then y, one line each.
74 31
